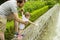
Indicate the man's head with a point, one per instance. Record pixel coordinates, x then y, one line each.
20 3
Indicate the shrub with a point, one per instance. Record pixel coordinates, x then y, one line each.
34 5
9 34
37 13
9 30
51 3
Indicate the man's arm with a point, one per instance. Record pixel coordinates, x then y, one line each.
18 19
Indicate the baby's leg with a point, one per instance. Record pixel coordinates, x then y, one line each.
20 31
20 34
20 38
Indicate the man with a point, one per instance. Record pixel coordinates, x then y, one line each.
7 8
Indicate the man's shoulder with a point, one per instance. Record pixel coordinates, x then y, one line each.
10 2
7 2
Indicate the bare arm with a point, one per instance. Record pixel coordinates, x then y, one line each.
18 19
22 13
16 25
31 22
15 14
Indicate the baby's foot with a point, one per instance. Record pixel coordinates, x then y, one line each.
20 37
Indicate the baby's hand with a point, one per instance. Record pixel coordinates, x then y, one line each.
36 24
22 10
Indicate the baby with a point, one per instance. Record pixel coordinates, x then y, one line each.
25 17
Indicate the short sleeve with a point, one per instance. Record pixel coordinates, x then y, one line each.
13 6
14 9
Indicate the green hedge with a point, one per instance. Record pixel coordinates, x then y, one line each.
33 5
38 13
9 30
10 23
9 34
51 3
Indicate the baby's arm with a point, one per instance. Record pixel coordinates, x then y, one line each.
21 11
32 23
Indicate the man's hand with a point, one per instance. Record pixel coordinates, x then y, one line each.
19 20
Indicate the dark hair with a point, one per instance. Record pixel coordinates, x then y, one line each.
20 1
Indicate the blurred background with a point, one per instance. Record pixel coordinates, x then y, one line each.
36 7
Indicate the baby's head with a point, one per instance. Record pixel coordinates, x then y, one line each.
27 15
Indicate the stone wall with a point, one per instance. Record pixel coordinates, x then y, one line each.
47 25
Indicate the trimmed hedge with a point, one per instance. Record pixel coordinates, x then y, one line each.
34 5
51 3
37 13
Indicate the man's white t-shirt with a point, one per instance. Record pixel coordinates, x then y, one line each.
8 8
22 26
